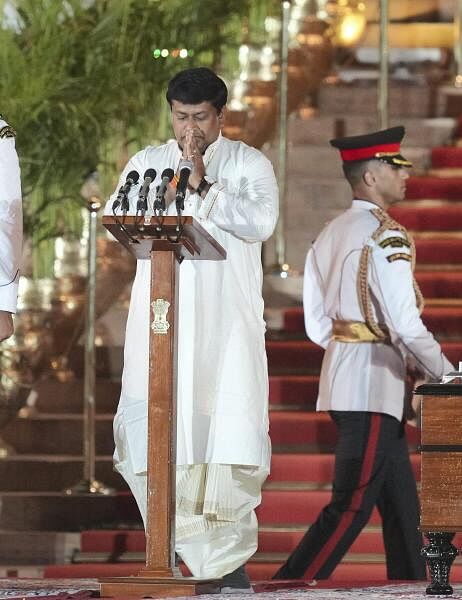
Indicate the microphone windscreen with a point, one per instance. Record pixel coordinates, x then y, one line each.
168 173
185 164
134 176
151 173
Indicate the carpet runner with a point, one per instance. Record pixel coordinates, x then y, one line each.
430 187
444 157
299 485
82 589
59 589
429 216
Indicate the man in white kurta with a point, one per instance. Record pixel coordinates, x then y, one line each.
10 228
223 448
362 305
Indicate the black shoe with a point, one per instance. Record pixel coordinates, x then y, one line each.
237 582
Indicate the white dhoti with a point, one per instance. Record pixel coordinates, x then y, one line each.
216 529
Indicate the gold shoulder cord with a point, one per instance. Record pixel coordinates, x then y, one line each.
7 132
386 222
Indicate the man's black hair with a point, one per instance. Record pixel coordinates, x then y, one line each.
200 84
354 171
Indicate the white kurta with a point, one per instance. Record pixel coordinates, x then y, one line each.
10 222
222 367
365 376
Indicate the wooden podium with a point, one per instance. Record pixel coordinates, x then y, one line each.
166 241
441 479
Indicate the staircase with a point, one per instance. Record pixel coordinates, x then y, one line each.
87 536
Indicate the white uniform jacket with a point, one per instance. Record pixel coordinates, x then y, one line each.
10 220
222 390
365 376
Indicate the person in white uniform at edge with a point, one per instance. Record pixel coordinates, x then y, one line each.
223 447
10 228
362 305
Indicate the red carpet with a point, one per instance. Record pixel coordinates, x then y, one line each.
434 188
293 356
446 156
271 540
440 284
438 251
315 430
318 468
416 216
293 390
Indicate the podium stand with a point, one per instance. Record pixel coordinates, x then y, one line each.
166 241
441 479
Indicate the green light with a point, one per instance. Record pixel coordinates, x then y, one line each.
156 53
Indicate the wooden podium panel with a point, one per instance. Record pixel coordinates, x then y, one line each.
441 495
441 466
441 479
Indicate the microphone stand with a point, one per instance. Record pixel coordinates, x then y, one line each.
120 222
89 484
159 210
179 214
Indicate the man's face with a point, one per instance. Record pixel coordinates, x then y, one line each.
390 181
203 119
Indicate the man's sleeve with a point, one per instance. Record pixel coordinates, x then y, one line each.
10 223
250 212
391 283
317 324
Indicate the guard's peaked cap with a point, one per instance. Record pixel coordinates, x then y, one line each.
381 145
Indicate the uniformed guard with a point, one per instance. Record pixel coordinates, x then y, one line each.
362 304
10 228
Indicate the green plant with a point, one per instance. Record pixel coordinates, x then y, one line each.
81 87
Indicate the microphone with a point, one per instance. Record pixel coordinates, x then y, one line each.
149 177
167 176
185 169
132 178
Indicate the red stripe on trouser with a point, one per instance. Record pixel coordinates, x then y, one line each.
356 500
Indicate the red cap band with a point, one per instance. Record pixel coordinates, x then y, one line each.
370 152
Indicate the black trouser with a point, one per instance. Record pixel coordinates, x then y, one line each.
372 468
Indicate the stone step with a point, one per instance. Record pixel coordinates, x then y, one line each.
64 397
360 98
55 433
315 128
108 361
45 473
56 511
38 547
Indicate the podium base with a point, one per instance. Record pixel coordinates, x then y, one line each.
137 586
